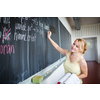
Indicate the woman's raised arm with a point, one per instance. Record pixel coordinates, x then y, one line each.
55 45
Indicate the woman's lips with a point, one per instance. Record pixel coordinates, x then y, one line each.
72 49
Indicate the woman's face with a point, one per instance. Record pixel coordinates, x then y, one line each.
75 47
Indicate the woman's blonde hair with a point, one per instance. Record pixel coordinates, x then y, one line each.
83 45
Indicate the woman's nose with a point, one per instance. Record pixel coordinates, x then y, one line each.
74 46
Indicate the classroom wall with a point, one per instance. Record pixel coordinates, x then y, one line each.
88 31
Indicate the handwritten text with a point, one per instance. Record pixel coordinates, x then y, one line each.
7 48
24 37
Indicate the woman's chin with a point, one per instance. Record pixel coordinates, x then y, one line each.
72 51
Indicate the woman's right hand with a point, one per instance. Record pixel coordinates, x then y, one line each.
49 34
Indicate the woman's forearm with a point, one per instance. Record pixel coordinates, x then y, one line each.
53 43
81 76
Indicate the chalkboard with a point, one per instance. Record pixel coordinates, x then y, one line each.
65 38
25 48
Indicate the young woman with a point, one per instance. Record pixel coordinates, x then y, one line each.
74 63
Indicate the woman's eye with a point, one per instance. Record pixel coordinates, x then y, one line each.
73 43
77 46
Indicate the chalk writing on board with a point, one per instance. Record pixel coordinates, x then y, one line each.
46 27
41 32
5 35
7 48
24 37
35 29
5 38
35 21
6 20
20 27
24 18
40 24
42 27
30 27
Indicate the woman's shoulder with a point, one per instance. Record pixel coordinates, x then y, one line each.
67 53
82 60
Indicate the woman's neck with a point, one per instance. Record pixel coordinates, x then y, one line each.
74 54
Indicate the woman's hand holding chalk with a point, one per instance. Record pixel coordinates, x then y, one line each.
49 34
